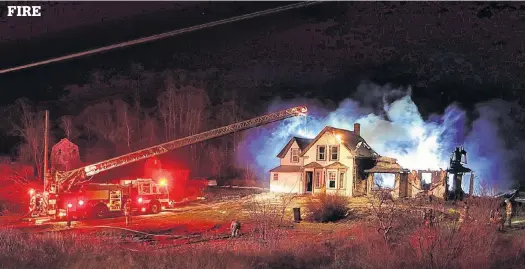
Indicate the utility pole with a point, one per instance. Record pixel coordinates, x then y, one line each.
46 134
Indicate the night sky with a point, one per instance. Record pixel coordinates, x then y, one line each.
465 52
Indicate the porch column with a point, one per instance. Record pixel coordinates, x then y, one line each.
323 181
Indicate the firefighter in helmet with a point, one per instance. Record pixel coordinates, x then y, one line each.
235 227
128 211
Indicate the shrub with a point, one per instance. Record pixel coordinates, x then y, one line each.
328 207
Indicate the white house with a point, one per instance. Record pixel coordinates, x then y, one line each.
336 160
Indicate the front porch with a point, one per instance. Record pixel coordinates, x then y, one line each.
326 179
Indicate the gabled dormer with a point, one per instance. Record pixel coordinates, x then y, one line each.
328 149
291 153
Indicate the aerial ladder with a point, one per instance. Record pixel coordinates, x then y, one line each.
63 181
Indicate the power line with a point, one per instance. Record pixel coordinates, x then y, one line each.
161 36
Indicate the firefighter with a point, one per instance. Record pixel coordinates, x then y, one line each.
128 211
235 227
500 220
508 211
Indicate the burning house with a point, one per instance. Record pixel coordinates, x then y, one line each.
341 161
333 162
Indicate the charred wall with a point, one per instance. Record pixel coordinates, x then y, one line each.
362 180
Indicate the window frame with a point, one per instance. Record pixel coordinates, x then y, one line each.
317 177
331 151
275 176
142 188
342 176
317 155
334 180
296 155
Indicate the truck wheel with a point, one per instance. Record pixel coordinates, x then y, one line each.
154 208
100 211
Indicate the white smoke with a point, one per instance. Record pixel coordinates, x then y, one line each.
392 126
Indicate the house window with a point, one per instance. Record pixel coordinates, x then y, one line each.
318 180
342 180
275 176
295 155
321 153
331 180
334 153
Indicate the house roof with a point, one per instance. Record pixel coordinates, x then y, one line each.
313 165
354 143
286 169
336 165
301 142
386 165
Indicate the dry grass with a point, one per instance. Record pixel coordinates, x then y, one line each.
328 207
269 240
359 247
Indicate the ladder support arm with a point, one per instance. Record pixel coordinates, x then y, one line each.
74 176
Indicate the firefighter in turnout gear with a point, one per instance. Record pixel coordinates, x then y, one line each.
128 211
235 227
508 211
500 219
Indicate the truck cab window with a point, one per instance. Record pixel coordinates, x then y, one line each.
146 188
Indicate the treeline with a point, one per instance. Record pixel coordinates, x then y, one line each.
117 113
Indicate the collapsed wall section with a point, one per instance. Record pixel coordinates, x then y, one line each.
413 184
364 181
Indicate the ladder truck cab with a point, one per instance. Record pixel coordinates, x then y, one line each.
146 195
91 200
63 192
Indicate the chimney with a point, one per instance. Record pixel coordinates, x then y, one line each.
357 129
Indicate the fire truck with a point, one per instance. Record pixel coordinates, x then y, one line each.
101 200
68 191
89 199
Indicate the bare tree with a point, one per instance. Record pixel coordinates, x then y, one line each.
167 108
228 112
149 131
114 122
124 123
384 212
98 120
29 125
184 112
67 125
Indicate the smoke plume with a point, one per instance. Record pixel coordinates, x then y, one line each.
393 127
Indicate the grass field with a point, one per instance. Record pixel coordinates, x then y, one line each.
195 236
